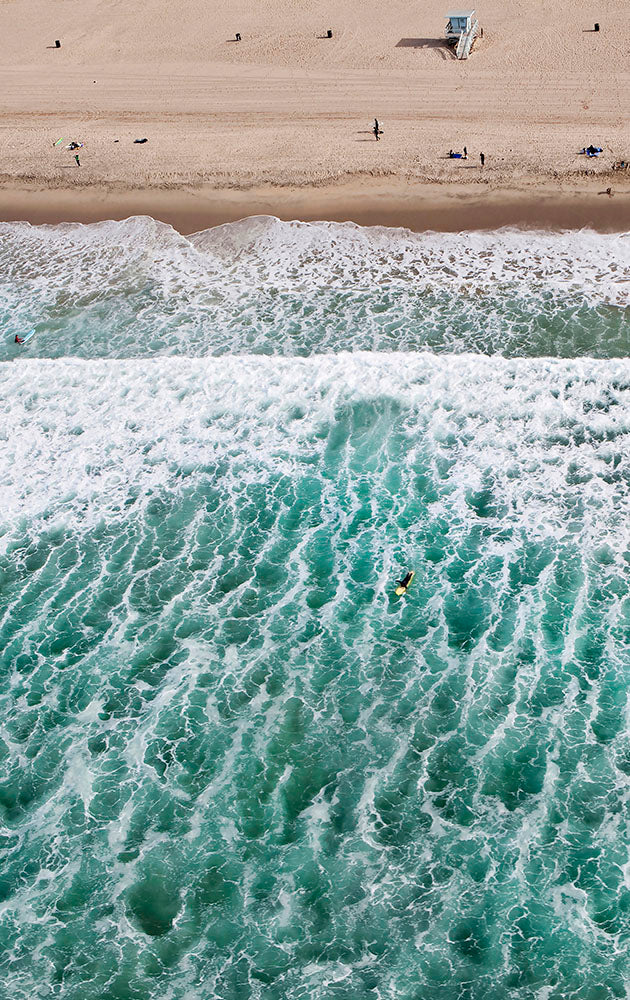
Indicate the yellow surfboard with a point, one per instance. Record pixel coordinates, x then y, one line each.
404 584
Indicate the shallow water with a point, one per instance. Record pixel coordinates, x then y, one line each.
232 764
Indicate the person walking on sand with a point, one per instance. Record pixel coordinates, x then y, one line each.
465 153
76 156
482 158
376 130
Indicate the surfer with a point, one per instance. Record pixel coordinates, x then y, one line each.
402 586
18 340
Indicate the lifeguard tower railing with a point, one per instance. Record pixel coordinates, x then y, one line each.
466 40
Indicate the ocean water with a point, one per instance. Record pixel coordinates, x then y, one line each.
232 764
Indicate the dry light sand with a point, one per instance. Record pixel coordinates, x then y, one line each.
286 112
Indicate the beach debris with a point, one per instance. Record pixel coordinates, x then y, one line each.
140 140
58 142
57 43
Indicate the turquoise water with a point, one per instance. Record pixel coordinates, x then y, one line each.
232 764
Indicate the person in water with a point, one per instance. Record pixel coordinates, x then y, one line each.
18 340
406 580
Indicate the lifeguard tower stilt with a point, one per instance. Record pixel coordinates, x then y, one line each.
462 27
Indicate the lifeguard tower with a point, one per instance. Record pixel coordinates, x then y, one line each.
462 27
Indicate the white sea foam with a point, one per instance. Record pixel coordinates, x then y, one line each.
265 250
132 288
90 434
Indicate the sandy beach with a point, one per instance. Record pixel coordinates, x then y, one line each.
282 118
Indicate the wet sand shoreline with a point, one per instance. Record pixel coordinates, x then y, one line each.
419 207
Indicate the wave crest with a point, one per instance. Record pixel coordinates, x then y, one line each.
137 288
